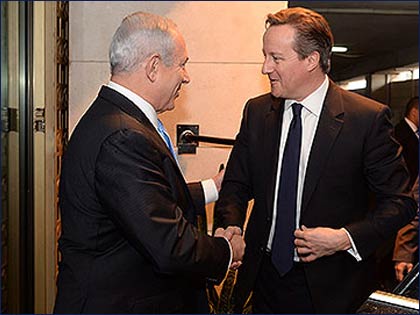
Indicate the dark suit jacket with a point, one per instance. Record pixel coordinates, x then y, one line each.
353 153
410 146
407 242
128 243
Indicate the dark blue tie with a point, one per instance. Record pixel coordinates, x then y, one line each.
282 249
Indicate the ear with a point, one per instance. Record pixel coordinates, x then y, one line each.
152 67
313 61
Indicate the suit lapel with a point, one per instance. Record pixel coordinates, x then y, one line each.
411 135
329 126
272 130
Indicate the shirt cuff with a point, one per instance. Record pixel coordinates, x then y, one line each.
353 250
231 253
210 191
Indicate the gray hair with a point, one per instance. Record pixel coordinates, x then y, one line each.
139 36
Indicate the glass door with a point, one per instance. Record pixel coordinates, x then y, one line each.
17 162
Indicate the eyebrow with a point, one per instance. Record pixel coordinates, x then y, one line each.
271 53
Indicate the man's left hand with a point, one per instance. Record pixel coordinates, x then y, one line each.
313 243
218 179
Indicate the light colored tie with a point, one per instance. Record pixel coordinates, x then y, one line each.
165 136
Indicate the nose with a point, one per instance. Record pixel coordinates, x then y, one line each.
266 68
186 78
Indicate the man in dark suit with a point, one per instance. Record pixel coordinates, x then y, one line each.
406 132
407 243
129 240
406 250
309 154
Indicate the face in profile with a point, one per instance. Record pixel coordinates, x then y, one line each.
174 76
286 71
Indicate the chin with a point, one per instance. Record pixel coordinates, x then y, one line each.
276 93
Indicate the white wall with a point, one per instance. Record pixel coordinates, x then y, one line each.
224 41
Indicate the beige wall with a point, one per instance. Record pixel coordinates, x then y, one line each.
224 44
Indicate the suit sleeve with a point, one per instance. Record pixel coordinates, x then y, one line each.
407 241
387 177
132 182
198 198
236 190
197 195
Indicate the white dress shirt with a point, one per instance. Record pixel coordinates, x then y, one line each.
209 187
311 111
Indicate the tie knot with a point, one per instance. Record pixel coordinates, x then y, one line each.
297 109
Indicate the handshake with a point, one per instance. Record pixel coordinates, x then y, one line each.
234 235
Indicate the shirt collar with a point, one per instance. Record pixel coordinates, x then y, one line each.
411 124
140 102
314 101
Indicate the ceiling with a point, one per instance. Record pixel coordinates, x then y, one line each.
380 35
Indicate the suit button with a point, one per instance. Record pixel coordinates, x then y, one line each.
262 249
268 219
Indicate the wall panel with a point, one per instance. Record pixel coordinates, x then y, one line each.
224 40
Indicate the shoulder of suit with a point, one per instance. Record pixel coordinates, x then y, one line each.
264 98
404 132
263 103
355 101
104 118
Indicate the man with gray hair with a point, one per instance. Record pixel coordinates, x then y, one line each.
130 242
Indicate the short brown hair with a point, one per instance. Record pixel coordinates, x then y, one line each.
313 33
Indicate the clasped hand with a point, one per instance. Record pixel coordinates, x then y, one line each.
234 235
313 243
